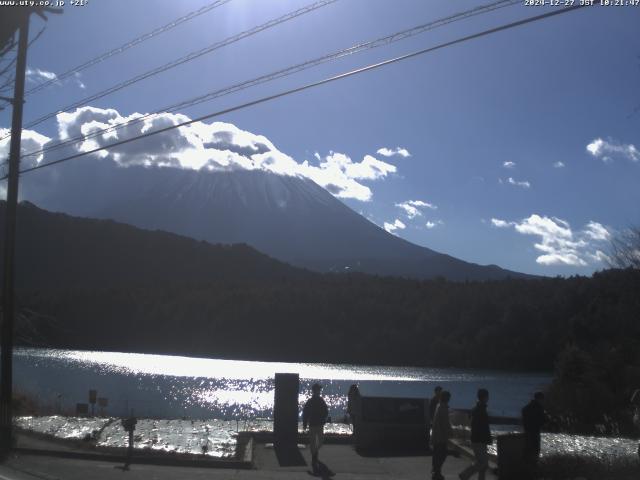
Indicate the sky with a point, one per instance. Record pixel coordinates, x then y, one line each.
520 149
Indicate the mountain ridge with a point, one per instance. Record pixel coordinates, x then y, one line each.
57 250
289 218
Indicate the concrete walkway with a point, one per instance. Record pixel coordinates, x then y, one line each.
341 459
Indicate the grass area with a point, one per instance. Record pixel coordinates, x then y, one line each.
606 467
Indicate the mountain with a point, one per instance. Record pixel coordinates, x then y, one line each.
289 218
56 251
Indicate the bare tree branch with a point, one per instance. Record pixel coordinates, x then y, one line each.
625 249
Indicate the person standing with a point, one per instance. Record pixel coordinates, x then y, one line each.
533 418
635 402
315 414
353 406
480 437
433 403
440 434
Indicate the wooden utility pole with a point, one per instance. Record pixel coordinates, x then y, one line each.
8 299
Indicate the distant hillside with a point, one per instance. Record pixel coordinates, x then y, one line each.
289 218
506 324
58 251
95 284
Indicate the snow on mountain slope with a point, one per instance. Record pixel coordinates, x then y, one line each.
290 218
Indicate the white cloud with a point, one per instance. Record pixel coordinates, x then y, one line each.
216 146
389 152
396 225
431 224
600 257
412 207
40 76
370 168
509 164
606 150
596 231
339 174
558 243
80 83
559 165
31 141
522 184
496 222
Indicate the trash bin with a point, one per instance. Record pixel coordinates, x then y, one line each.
511 456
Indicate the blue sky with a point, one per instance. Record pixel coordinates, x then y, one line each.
523 146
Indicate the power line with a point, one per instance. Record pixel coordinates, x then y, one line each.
184 59
312 85
128 45
401 35
10 64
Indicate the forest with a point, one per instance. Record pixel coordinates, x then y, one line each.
584 329
90 284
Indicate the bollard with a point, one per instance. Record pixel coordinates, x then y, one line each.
285 409
511 456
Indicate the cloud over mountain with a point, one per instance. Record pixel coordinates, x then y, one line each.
396 225
216 146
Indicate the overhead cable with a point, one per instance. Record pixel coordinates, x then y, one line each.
126 46
401 35
184 59
311 85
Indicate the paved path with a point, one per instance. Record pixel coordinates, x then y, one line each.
342 459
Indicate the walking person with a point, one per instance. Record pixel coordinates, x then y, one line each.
533 418
440 434
480 437
315 414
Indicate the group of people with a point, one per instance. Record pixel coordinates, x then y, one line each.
439 431
533 418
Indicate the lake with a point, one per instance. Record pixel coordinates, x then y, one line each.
185 404
164 386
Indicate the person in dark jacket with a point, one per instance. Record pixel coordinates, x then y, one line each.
533 418
433 403
353 407
440 435
480 437
315 414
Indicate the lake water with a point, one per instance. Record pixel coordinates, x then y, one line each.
185 404
163 386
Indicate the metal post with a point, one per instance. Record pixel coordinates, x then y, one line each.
8 300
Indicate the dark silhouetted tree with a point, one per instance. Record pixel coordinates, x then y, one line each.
625 249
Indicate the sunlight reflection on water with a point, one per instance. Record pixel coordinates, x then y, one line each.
166 386
185 403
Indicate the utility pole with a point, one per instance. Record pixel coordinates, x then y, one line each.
8 300
18 20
